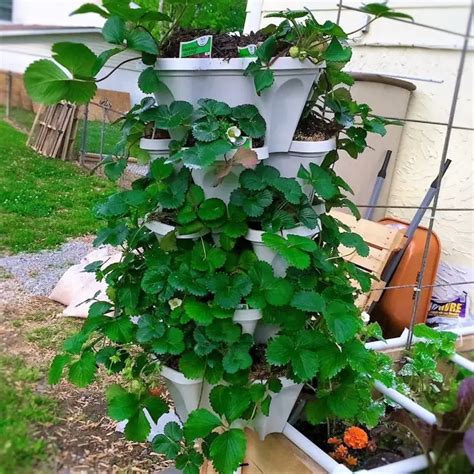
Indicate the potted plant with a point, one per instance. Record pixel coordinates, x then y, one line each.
221 142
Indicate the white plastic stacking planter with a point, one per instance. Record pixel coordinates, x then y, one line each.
301 154
160 230
248 319
281 105
280 409
157 148
265 332
186 393
270 256
206 177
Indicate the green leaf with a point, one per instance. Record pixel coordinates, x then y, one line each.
213 107
120 330
344 402
293 250
138 428
267 49
342 320
352 240
46 83
317 411
173 116
230 402
212 209
227 451
172 342
305 363
359 358
77 58
82 372
228 291
198 311
309 301
114 170
189 462
263 79
290 188
154 280
114 30
140 40
321 180
57 366
250 120
104 57
279 350
337 53
331 360
99 308
121 405
155 406
237 358
200 424
149 328
383 11
90 8
206 131
149 80
168 443
192 366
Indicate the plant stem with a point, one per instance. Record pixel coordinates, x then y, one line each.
117 67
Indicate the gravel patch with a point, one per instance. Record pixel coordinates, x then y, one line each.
39 272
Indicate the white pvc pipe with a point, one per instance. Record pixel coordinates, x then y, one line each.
463 362
315 453
254 14
414 464
405 402
388 343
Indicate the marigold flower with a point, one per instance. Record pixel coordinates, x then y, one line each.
340 453
334 440
351 460
356 438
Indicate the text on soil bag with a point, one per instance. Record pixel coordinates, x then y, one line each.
198 48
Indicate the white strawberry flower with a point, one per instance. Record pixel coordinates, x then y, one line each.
175 303
233 133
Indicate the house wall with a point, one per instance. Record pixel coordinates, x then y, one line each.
53 12
429 59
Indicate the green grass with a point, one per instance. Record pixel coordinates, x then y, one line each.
24 120
42 201
22 409
53 334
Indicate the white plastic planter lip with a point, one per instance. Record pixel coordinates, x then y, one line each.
322 146
302 231
155 144
161 229
248 319
413 464
194 65
178 377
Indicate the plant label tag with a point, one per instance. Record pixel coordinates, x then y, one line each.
249 51
198 48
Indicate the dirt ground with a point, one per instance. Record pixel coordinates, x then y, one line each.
83 440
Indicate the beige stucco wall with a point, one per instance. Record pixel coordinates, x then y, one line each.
429 59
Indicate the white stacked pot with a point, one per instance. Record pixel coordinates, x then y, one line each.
160 230
157 148
301 154
206 177
281 105
255 237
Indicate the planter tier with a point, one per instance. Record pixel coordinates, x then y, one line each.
160 230
185 393
301 154
206 177
157 148
281 105
270 256
248 319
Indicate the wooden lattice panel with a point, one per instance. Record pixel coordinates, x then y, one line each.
54 130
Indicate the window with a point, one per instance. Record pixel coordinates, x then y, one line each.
6 10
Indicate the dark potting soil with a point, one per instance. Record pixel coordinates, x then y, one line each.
224 45
260 368
388 443
156 134
313 129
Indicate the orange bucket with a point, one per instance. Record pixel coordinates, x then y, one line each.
395 308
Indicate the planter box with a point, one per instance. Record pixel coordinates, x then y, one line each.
248 319
270 256
186 393
160 230
301 154
206 177
281 105
157 148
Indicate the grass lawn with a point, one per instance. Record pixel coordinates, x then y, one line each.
23 410
24 120
42 201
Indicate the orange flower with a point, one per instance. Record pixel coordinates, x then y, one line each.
351 461
334 441
356 438
340 453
